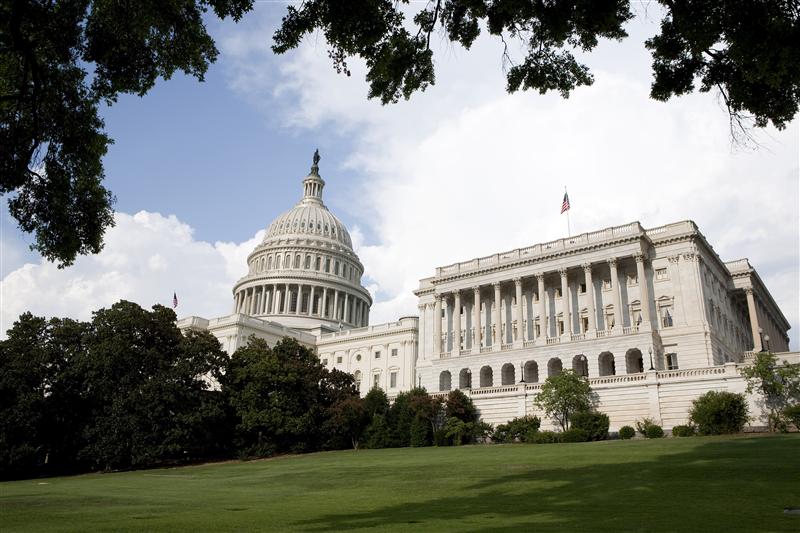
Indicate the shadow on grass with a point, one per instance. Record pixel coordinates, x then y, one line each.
715 486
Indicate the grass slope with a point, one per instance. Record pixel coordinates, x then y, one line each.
692 484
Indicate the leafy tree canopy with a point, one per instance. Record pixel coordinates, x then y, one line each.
563 395
776 384
60 60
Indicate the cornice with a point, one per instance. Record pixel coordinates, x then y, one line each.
357 337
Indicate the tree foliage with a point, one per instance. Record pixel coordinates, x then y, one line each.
719 413
776 386
59 61
564 394
124 390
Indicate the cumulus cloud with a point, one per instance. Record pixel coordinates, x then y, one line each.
465 170
146 257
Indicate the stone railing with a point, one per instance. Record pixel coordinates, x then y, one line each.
553 340
486 349
630 330
504 347
542 249
691 372
577 337
624 378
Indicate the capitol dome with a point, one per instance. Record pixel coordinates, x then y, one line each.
305 273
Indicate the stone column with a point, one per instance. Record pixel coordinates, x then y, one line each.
565 309
644 291
476 311
456 322
542 308
335 304
520 316
323 311
751 310
421 327
437 325
587 273
346 316
496 322
298 308
311 302
448 337
612 264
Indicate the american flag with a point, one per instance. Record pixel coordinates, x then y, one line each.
174 300
565 203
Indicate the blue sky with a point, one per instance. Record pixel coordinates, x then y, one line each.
460 171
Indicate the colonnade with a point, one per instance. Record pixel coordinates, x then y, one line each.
486 329
302 300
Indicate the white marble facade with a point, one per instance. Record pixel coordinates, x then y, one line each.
652 317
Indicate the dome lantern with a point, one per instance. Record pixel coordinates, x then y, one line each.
313 183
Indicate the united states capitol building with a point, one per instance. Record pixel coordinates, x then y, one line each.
652 317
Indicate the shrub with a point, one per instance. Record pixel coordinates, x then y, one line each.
595 425
643 424
626 432
544 437
719 412
792 414
654 431
683 431
377 433
574 435
516 429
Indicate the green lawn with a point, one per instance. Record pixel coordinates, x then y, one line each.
690 484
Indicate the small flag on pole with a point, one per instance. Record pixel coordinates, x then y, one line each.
565 203
174 300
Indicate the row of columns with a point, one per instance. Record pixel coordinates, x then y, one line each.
496 320
760 327
275 299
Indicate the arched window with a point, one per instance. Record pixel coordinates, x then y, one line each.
486 376
580 365
278 261
444 381
357 378
308 262
336 268
297 261
606 363
531 370
269 263
327 264
634 364
319 263
554 367
465 379
507 374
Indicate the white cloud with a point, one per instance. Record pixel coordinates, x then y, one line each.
146 257
465 170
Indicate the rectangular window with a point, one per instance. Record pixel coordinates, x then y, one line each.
377 355
661 273
558 293
666 318
376 380
325 362
633 279
393 380
606 284
672 361
560 327
584 324
339 359
582 289
394 352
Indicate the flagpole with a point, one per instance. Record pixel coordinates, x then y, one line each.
569 230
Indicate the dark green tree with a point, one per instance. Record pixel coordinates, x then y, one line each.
564 394
460 406
376 402
146 386
345 416
59 61
277 397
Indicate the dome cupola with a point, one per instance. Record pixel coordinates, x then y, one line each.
305 273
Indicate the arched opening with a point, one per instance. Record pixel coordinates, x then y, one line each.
531 372
465 379
357 378
507 374
444 381
554 367
634 364
487 380
297 261
606 363
580 365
